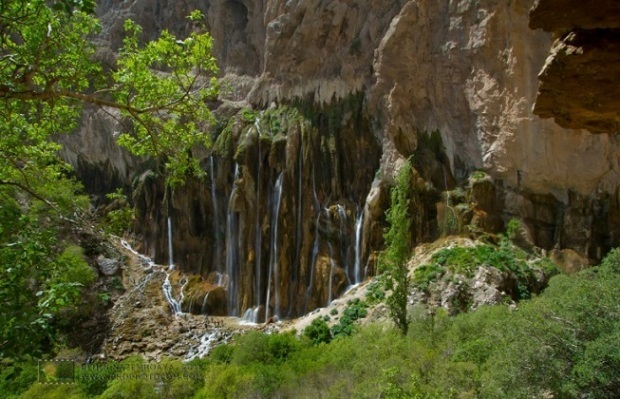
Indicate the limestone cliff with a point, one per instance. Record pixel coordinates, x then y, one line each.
353 88
579 82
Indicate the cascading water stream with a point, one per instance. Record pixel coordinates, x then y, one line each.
175 305
170 255
217 253
297 265
273 263
345 243
203 308
315 246
331 274
358 247
259 242
232 250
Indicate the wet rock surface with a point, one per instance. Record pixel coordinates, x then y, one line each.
371 83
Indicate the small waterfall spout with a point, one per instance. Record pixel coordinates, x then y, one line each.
170 255
175 305
331 274
217 251
258 239
358 247
274 264
315 246
232 251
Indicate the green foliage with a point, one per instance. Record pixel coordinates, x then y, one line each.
137 379
466 260
54 391
118 220
71 267
222 354
355 310
375 292
427 273
563 343
93 379
478 175
48 71
393 260
318 332
164 87
248 115
15 378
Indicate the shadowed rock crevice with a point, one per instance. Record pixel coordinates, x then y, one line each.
578 84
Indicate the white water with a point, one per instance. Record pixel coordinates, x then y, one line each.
297 266
251 315
315 246
203 308
258 240
207 341
170 255
232 251
345 243
358 247
273 262
217 258
175 305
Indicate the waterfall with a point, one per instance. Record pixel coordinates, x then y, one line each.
232 250
315 246
331 274
251 315
344 242
273 263
203 308
216 222
259 242
175 305
358 247
207 341
297 264
170 255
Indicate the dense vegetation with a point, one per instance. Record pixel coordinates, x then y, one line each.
47 72
564 343
393 260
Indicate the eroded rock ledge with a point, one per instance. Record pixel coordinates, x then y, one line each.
579 80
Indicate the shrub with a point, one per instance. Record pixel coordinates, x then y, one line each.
73 268
318 332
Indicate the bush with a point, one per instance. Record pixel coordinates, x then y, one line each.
73 268
375 293
52 391
318 332
16 378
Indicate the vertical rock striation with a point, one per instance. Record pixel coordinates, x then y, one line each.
348 90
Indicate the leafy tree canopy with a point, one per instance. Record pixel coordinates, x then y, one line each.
47 72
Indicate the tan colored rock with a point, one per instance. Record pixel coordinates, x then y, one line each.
578 86
569 261
565 15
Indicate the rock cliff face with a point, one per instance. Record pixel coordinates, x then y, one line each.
579 80
326 100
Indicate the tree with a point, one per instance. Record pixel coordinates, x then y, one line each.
47 71
393 260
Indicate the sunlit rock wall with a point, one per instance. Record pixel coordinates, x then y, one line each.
465 70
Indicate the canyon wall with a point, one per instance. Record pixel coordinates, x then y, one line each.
324 101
